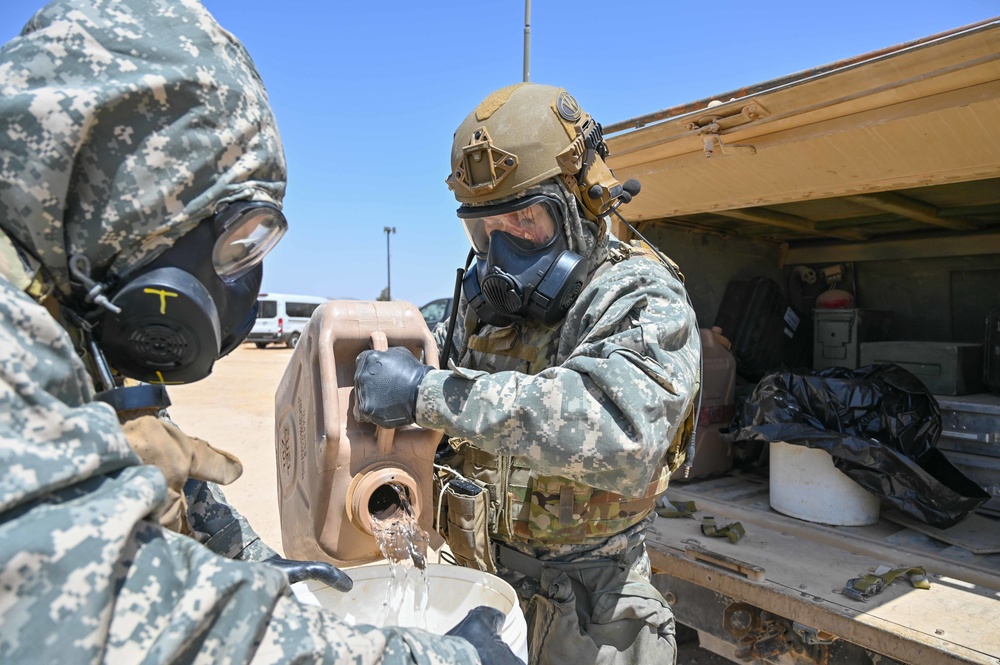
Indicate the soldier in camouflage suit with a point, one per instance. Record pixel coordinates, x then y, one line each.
569 399
128 128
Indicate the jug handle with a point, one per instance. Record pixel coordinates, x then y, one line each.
383 435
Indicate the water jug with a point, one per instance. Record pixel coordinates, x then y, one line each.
335 473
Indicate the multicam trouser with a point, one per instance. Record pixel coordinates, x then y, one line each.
594 611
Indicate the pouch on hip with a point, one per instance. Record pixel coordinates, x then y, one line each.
467 523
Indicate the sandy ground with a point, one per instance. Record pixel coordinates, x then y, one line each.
233 409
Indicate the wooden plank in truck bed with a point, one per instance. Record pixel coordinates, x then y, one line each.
805 565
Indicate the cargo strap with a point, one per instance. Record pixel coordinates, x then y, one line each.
672 509
519 562
733 531
864 587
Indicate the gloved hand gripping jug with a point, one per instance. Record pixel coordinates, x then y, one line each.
335 473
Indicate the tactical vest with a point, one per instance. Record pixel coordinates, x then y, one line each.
552 510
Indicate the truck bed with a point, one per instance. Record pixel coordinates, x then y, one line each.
767 593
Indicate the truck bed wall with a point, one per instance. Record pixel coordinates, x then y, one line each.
943 299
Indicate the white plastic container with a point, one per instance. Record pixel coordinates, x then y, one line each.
454 590
805 484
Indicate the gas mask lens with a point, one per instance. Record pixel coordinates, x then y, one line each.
531 222
246 232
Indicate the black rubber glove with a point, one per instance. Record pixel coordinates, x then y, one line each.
298 571
385 387
481 627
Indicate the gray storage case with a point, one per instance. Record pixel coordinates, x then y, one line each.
946 368
837 334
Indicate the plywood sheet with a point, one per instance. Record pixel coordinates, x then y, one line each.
977 534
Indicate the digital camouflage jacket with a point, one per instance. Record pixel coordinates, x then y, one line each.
122 124
597 407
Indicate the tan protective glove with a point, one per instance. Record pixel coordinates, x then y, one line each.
162 444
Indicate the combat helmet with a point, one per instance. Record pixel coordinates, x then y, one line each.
524 134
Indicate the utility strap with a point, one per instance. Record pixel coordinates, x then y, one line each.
671 509
733 531
864 587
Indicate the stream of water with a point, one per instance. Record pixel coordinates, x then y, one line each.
404 544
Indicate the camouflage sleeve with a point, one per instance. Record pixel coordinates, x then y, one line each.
292 638
219 526
87 576
606 413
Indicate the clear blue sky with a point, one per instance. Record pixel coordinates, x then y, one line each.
368 94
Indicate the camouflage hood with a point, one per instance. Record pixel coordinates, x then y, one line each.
122 125
585 238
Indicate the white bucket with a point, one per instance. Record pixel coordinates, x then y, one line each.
805 484
454 590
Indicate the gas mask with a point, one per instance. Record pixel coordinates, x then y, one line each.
524 269
195 302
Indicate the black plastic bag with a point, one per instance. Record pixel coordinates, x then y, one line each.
878 423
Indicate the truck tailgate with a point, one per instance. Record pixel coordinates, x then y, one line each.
775 593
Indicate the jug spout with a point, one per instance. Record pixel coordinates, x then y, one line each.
334 473
380 493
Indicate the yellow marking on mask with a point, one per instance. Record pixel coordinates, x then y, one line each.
164 382
163 297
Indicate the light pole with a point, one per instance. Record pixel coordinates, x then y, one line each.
527 40
388 265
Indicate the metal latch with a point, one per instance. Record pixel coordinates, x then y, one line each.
712 141
752 572
979 437
710 125
810 635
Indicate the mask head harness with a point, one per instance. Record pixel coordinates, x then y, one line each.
171 319
524 269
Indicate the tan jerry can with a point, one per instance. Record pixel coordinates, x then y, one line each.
334 473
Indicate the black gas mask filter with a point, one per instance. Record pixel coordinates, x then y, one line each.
193 304
516 280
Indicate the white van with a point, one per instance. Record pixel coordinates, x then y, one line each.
281 317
